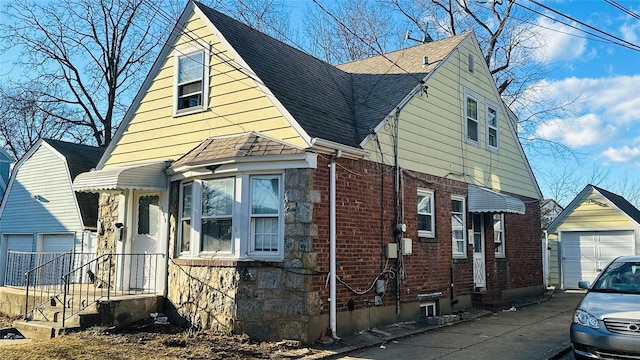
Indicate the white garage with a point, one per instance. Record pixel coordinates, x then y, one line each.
586 253
595 228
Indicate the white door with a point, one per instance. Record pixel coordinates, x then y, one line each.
146 225
586 253
16 265
479 262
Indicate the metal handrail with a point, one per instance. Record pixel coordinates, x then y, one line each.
53 267
99 283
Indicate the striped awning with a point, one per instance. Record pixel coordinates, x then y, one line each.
149 176
484 200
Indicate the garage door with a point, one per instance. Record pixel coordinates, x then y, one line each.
586 253
17 264
58 243
53 245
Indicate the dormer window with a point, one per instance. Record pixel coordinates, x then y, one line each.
191 80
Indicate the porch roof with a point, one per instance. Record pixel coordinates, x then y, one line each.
147 176
482 200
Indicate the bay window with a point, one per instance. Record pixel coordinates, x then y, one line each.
232 217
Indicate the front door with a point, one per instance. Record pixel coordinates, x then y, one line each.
144 241
479 267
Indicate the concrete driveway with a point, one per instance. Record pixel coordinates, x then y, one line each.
539 331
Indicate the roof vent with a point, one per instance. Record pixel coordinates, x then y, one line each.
425 61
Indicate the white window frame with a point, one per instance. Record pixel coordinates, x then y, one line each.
498 236
492 107
467 117
253 217
431 213
205 80
457 254
242 231
182 219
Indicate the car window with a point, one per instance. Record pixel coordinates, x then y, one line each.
619 277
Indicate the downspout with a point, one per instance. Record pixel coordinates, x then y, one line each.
396 212
332 244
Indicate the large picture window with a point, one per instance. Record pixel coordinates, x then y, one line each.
236 217
426 218
191 80
458 227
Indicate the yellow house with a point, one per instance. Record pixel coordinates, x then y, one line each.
595 228
296 199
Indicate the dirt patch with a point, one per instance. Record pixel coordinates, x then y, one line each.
150 341
7 320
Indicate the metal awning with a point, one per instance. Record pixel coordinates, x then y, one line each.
482 199
148 176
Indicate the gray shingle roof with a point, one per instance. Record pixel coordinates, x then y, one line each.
81 158
621 203
340 104
227 147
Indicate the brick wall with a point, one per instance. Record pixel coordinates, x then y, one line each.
365 223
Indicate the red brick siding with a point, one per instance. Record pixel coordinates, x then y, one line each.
364 224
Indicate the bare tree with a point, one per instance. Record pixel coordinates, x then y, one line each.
351 30
93 52
502 29
268 16
23 120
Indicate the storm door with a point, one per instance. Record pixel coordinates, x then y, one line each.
479 263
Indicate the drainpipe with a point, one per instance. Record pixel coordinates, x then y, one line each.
332 244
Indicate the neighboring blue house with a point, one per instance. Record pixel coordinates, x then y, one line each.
40 212
5 169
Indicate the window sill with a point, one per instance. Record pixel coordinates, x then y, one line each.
184 112
195 262
427 239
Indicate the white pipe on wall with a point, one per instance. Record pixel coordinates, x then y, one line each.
332 244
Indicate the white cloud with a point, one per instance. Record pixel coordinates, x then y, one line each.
614 98
576 132
559 42
624 154
630 31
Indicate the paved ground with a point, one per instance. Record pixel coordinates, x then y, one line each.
535 331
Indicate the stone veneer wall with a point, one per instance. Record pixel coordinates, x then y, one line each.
107 218
266 300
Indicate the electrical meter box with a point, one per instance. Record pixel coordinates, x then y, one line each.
391 251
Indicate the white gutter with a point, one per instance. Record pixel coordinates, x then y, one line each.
332 244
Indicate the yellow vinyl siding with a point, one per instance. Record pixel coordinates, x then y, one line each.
432 131
236 105
554 262
594 215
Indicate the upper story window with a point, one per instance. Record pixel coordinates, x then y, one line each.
191 80
472 128
240 216
458 227
426 216
498 234
492 127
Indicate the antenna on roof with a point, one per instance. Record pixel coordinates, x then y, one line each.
427 38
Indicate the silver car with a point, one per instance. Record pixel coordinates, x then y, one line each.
606 323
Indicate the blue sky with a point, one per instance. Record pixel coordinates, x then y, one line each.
603 126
